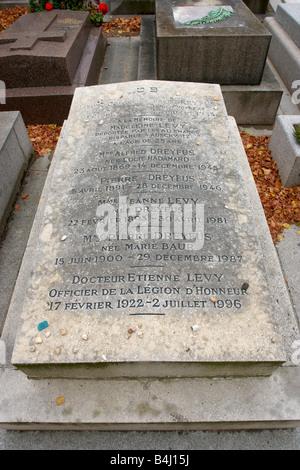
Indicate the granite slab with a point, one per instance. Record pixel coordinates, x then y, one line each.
180 302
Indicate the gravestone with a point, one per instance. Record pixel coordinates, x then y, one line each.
43 57
15 153
198 43
153 253
286 150
284 50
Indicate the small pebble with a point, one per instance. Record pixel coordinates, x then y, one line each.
84 336
63 238
63 331
38 340
273 340
140 334
198 143
32 348
75 350
103 357
245 286
213 299
195 327
101 122
57 351
47 334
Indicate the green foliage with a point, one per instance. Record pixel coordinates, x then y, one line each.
96 14
39 5
297 132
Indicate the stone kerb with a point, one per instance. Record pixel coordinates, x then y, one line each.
286 150
15 153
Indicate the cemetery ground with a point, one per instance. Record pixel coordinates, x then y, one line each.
282 210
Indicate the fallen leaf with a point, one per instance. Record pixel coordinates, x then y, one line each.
24 196
60 400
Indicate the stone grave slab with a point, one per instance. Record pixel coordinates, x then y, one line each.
284 54
43 57
288 16
286 150
122 292
15 153
230 51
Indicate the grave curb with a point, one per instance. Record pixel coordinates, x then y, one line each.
150 405
284 54
15 151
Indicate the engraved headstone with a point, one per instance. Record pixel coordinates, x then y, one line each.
217 42
150 259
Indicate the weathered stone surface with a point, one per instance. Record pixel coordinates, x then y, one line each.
284 55
254 104
43 49
286 150
153 405
229 52
289 18
127 304
15 153
43 57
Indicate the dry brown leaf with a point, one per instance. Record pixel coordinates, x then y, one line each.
60 400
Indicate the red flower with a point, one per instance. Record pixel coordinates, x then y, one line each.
48 6
103 8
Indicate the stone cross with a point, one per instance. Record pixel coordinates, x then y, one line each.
26 40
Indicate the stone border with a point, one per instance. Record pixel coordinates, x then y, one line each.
15 153
286 150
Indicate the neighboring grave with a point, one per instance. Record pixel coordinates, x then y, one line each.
217 42
286 150
15 153
43 57
284 50
152 300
